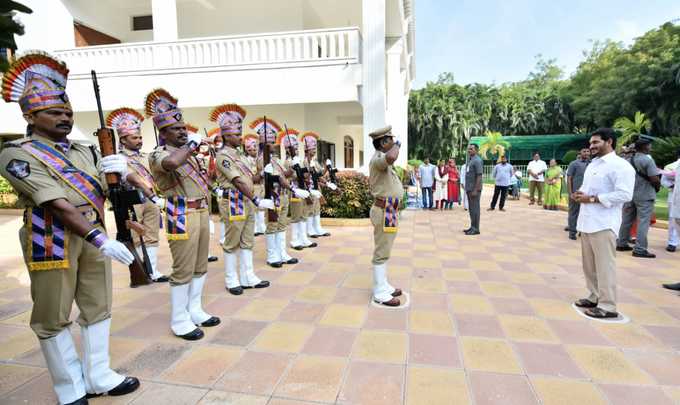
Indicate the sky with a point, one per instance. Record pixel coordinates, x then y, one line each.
489 41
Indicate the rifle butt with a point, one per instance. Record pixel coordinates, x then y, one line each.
138 276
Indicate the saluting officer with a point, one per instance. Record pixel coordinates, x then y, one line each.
238 200
60 185
186 189
128 123
387 190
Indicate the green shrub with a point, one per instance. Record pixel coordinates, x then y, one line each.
352 199
7 194
569 157
665 150
415 162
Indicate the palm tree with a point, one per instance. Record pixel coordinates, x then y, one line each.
493 143
630 128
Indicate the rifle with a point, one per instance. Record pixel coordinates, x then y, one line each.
269 179
331 172
155 135
122 200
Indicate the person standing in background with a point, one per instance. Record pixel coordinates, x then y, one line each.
473 187
463 170
441 186
453 184
553 186
668 180
426 171
535 170
502 174
575 173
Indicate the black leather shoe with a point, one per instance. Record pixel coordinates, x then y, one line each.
314 236
572 236
261 284
258 234
671 248
472 232
128 385
195 334
674 286
624 248
236 290
585 303
298 247
291 261
325 234
566 229
645 255
467 230
83 400
276 265
162 279
313 245
213 321
212 259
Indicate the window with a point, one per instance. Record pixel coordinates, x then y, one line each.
349 152
142 23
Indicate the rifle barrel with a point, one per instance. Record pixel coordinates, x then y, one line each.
95 83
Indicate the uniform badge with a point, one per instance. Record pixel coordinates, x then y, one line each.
225 164
19 168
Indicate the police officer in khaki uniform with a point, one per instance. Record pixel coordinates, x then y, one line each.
64 243
238 201
313 212
298 206
179 178
251 149
127 123
387 190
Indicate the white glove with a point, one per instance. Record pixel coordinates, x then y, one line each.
194 138
329 162
300 193
296 160
316 194
219 192
332 186
269 169
116 251
265 204
115 164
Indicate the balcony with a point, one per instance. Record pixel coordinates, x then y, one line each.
311 48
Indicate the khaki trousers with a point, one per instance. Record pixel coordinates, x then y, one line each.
190 256
382 241
533 187
87 281
598 251
297 211
149 215
239 234
282 222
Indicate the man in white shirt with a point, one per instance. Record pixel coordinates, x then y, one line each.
535 169
668 180
608 183
426 172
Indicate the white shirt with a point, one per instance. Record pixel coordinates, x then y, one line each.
536 166
612 180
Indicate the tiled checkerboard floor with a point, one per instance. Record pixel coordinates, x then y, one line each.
490 322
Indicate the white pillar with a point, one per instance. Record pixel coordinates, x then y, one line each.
164 14
396 100
373 64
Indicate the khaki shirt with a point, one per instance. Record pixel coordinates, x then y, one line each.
231 163
172 183
382 179
35 183
138 162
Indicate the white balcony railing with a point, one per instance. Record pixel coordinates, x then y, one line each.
310 47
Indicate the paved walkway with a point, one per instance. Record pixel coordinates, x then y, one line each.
490 322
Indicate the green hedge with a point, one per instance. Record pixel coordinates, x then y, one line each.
7 194
352 199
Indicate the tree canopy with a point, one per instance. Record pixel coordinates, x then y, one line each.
612 81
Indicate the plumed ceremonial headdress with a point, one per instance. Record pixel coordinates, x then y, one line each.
125 120
191 128
162 106
309 140
37 82
273 129
288 139
250 140
229 117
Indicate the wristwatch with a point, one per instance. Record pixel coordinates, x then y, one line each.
591 199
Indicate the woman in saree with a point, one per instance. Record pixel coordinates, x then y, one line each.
553 186
441 177
453 183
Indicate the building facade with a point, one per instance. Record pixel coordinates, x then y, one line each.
340 68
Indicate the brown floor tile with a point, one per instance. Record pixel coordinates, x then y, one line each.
236 332
635 395
154 326
313 378
36 392
226 306
302 312
668 335
554 391
170 394
432 302
577 332
231 398
262 309
479 325
527 328
664 367
154 359
435 350
379 318
512 306
202 366
373 384
255 373
352 296
330 342
13 376
501 389
547 359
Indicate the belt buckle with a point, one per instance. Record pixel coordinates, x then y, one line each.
91 216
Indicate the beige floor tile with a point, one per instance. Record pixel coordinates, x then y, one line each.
349 316
381 346
553 391
313 378
434 322
436 386
296 278
655 298
554 309
471 304
647 315
358 280
485 265
428 285
18 344
427 262
673 393
500 289
21 319
527 328
14 375
202 366
506 257
316 294
459 275
628 335
489 355
124 317
169 395
262 309
526 278
283 337
398 271
607 365
232 398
